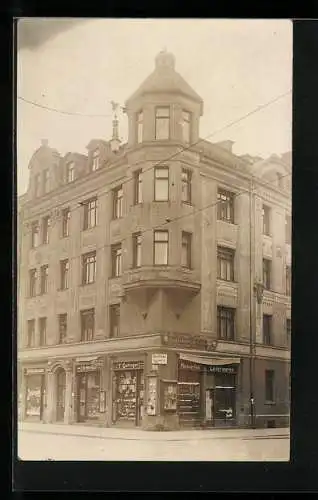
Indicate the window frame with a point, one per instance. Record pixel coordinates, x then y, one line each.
70 169
89 207
155 245
136 255
87 313
227 255
46 224
163 168
44 279
45 180
162 118
116 260
186 237
227 315
33 277
66 217
114 312
139 127
225 205
118 202
30 341
37 182
189 123
270 389
187 184
62 333
288 229
35 234
267 273
64 274
88 262
267 332
138 187
95 165
266 226
42 332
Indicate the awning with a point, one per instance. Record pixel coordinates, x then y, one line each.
201 360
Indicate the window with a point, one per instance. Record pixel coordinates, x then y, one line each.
95 160
225 261
225 206
35 234
36 185
66 216
162 123
161 184
186 126
44 279
186 177
288 229
46 222
288 329
225 323
90 213
88 268
161 248
31 333
139 122
267 273
70 171
186 250
266 220
87 324
62 319
32 282
42 329
280 181
118 195
114 320
116 260
288 280
64 268
269 385
45 180
267 329
138 187
137 250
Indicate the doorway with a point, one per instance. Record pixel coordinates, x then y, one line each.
88 390
60 394
128 397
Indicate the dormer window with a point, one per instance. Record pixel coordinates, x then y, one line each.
186 126
36 185
139 122
162 123
95 160
70 171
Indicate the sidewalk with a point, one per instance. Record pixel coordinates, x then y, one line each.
138 434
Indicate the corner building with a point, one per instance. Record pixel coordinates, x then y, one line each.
140 303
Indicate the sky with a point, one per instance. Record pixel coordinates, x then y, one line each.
79 66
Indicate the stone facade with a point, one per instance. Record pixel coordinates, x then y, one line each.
155 301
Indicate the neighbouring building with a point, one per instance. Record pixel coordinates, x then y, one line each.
140 302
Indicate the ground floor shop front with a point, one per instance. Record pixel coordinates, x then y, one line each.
163 390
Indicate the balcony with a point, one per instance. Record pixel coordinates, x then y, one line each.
167 277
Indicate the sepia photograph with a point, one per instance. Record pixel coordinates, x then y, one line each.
154 230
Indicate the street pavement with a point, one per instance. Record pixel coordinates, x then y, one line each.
73 442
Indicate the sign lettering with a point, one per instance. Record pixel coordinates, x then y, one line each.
221 369
128 365
189 341
159 359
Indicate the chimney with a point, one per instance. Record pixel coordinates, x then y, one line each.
44 142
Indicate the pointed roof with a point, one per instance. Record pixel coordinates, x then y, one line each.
164 78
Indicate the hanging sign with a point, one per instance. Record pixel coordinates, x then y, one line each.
152 396
159 358
221 369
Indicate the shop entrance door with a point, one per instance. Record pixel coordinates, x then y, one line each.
128 396
88 388
60 394
224 401
35 396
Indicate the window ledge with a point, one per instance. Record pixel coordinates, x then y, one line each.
86 284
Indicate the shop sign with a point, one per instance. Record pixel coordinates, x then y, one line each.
222 369
35 371
152 396
188 365
159 359
128 365
189 341
89 366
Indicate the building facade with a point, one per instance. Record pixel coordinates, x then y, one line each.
155 276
